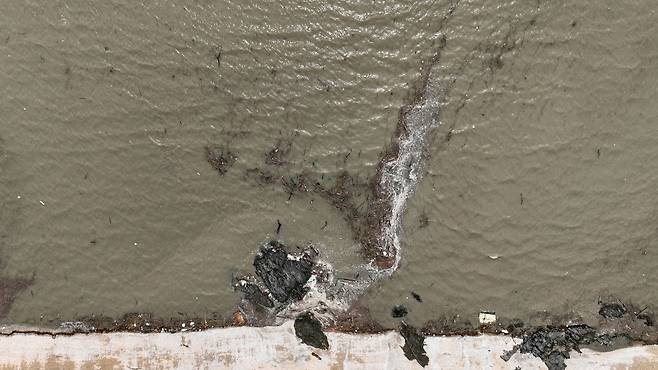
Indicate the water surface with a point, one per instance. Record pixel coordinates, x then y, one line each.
542 199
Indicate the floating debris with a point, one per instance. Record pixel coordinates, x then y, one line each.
220 159
399 311
309 330
423 221
279 153
74 327
610 310
261 177
487 317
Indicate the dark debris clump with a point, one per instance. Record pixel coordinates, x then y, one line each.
552 345
279 153
254 294
620 323
399 311
281 279
609 310
284 277
309 330
414 345
220 159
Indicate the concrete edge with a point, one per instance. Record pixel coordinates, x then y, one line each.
278 347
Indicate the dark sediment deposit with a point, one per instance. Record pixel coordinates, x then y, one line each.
140 323
357 320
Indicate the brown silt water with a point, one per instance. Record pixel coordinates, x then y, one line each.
148 150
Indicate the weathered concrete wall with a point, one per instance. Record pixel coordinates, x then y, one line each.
277 347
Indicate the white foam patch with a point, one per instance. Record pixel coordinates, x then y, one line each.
400 177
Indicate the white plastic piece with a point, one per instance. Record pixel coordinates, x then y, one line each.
487 317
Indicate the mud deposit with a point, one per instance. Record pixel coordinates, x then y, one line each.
445 167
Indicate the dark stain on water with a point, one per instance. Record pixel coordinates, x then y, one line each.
10 287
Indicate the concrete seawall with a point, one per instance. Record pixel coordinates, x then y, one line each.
278 347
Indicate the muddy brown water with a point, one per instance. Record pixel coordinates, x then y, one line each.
542 199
